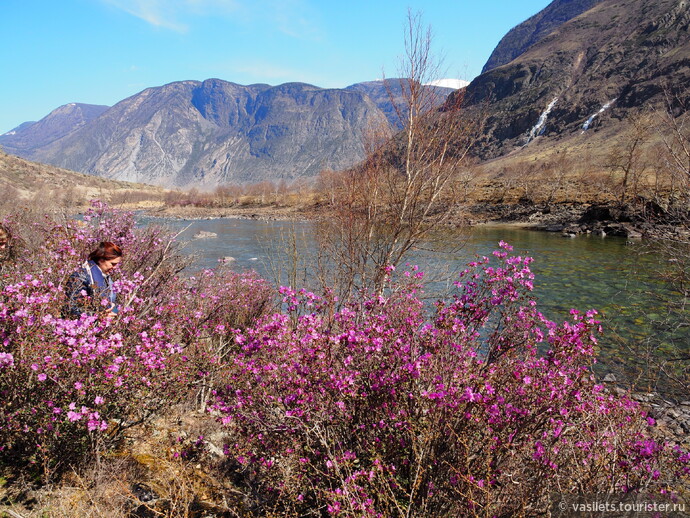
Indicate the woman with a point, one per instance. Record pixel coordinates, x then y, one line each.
6 253
89 285
4 244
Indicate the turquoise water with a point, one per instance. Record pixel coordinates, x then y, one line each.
608 274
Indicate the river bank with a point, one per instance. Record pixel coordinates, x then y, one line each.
267 212
671 419
571 219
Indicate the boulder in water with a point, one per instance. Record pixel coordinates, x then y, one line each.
204 235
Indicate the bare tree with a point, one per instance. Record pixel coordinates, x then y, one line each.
466 179
665 352
674 130
389 204
628 159
554 175
328 184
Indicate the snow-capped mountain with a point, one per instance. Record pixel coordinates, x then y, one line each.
455 84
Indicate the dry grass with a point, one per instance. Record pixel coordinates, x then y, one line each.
23 181
162 471
574 169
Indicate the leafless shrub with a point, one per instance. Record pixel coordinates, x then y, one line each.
674 131
627 160
9 199
131 196
384 208
594 181
465 180
666 214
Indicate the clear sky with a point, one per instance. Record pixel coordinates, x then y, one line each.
101 51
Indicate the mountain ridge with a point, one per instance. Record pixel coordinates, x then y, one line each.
518 39
57 123
622 54
594 65
205 133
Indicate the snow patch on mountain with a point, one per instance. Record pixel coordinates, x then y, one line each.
449 83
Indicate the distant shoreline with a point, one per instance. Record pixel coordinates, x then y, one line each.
569 219
265 213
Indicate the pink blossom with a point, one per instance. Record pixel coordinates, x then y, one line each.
6 360
74 416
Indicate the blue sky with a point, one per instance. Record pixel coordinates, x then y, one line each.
101 51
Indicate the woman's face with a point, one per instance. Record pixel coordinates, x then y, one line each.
108 265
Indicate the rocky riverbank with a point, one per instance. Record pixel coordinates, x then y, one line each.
670 420
647 220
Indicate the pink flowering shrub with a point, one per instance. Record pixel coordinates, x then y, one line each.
76 384
71 387
58 246
205 311
381 409
216 303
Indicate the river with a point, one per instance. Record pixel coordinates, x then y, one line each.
585 272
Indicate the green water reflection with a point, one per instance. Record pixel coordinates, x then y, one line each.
616 277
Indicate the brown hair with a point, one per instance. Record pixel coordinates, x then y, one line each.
106 251
9 251
4 235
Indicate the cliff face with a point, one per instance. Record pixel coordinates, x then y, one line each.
602 66
207 133
389 96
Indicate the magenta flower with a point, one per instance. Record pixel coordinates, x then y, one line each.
6 360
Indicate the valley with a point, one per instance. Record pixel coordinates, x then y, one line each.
396 298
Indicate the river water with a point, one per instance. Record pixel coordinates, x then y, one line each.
585 272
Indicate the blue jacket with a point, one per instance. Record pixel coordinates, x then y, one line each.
97 286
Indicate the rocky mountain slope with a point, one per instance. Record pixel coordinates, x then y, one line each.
523 36
571 76
593 72
389 96
55 125
203 134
